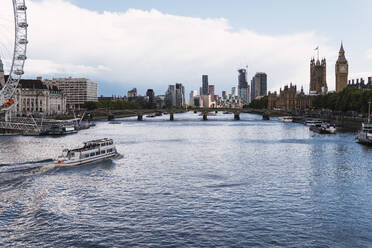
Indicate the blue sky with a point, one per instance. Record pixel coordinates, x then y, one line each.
162 42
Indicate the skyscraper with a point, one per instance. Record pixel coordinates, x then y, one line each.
205 88
180 95
211 91
170 96
243 87
234 91
259 85
192 96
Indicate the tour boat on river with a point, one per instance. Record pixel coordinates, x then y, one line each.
92 151
285 119
324 128
365 135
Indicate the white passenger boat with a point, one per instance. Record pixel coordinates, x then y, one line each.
92 151
285 119
324 128
365 135
313 122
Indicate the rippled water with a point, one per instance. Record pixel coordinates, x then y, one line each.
190 183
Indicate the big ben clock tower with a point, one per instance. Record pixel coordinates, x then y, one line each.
342 70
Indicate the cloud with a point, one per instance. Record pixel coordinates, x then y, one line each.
369 54
151 49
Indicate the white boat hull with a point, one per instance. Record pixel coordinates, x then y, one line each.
86 161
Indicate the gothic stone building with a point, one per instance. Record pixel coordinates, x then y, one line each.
342 70
289 99
318 77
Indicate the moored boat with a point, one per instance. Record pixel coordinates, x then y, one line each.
313 122
285 119
324 128
365 135
92 151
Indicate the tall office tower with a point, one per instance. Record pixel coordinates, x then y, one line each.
192 96
259 85
211 91
180 95
342 70
234 91
170 96
205 88
243 87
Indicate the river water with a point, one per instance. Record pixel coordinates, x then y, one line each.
190 183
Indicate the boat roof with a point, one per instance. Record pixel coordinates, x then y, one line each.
99 141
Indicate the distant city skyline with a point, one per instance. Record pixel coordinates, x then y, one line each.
152 44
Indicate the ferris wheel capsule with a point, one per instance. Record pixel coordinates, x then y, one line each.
19 72
23 41
23 25
22 7
22 57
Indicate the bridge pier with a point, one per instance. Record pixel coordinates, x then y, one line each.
171 116
139 117
237 116
205 116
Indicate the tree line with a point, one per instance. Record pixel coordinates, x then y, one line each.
350 99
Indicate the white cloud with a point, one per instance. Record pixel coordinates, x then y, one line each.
153 49
369 54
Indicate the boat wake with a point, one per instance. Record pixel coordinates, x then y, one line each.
17 173
27 163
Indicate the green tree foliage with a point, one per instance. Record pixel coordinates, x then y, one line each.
90 105
350 99
258 103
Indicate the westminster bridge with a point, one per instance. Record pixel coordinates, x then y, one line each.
204 112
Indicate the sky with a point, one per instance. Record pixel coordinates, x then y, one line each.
122 44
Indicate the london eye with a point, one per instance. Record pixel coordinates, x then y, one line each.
17 62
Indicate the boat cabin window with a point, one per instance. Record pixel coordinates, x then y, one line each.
92 154
103 152
97 153
109 150
86 155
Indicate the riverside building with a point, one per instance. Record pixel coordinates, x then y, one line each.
33 96
243 87
289 99
259 85
318 77
77 90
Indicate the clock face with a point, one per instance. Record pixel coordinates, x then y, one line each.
343 68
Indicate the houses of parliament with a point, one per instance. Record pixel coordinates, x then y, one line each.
290 99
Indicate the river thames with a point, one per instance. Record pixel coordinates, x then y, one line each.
190 183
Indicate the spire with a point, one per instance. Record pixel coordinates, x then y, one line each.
342 48
341 54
